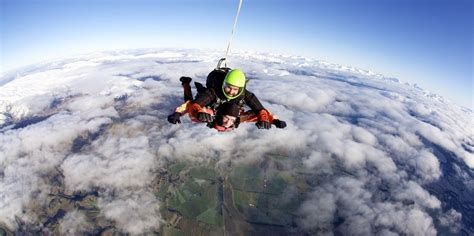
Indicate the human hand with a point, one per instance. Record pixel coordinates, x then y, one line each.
279 124
174 118
204 117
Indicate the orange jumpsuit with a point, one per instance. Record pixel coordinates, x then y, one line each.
245 116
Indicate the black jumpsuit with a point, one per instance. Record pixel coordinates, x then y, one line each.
213 96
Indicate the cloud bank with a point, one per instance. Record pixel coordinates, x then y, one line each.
380 155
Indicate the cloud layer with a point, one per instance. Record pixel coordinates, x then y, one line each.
379 154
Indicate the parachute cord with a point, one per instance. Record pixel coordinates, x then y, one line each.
232 33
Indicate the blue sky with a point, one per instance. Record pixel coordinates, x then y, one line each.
418 41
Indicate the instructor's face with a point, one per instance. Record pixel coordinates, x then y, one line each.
231 90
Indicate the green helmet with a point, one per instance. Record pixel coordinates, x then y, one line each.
235 78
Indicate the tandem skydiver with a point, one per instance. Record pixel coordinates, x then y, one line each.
221 103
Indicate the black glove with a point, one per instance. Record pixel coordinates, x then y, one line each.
204 117
279 124
263 125
174 118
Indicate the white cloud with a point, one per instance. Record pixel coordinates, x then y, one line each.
74 223
133 212
28 155
348 200
120 160
374 144
452 220
325 204
411 191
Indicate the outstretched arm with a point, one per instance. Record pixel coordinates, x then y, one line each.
178 112
252 101
263 115
259 114
195 111
251 116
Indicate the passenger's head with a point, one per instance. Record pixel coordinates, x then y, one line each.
234 84
227 114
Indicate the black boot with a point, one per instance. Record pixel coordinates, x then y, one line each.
185 80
